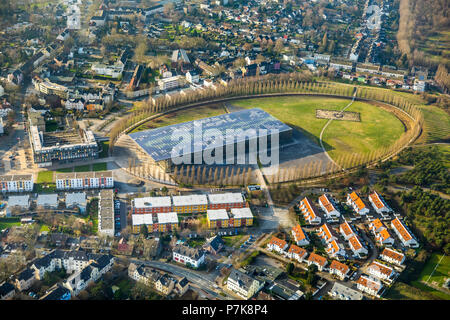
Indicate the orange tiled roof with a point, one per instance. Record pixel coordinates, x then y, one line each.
333 247
278 242
355 243
381 267
401 229
326 203
393 254
346 228
357 200
377 224
326 229
296 249
339 266
309 208
298 232
364 281
313 257
384 234
376 199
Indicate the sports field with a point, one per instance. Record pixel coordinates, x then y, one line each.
378 128
441 273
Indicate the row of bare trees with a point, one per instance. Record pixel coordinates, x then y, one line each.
260 85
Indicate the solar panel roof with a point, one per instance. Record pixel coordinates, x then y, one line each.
160 142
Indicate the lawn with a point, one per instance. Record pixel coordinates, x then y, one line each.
64 170
436 124
100 166
45 177
105 149
378 128
402 291
182 116
6 223
231 241
84 168
440 274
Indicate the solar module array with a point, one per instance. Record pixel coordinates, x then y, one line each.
159 143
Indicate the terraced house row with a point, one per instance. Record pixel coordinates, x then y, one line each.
16 183
188 203
84 180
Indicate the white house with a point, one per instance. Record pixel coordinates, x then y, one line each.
339 269
405 236
317 260
357 204
369 285
335 249
309 212
356 246
299 236
297 253
378 203
346 230
392 256
277 245
326 233
242 284
186 255
327 205
380 271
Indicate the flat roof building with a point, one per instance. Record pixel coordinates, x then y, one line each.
106 212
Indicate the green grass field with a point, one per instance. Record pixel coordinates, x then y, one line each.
6 223
402 291
100 166
378 128
64 170
437 124
182 116
84 168
440 274
45 177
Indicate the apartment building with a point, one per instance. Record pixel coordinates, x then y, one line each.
16 183
392 256
190 203
357 204
186 255
138 220
226 201
309 212
299 236
151 205
242 284
217 218
167 221
241 217
378 203
106 212
84 180
405 236
380 271
328 206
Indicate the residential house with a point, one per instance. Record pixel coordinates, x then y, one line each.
182 286
381 271
378 203
369 285
339 269
297 253
326 233
317 260
299 236
25 279
342 292
7 291
165 284
392 256
335 249
327 205
188 256
309 212
405 236
214 244
277 245
346 230
357 247
242 284
357 204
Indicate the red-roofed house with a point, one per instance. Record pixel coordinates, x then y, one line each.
357 204
346 230
339 269
356 246
299 236
317 260
335 249
384 238
278 245
309 212
406 237
326 233
380 271
378 203
297 253
327 205
369 285
392 256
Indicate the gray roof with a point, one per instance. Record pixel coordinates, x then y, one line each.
160 142
186 251
244 280
345 292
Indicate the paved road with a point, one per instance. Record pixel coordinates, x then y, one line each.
202 280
